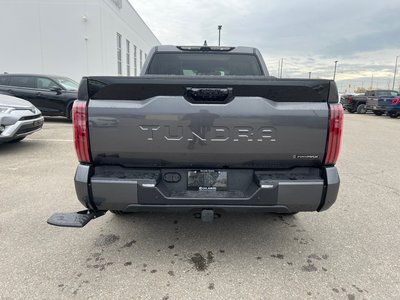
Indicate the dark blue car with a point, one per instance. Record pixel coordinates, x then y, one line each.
391 105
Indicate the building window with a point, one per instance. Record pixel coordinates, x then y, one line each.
135 60
141 59
119 53
128 58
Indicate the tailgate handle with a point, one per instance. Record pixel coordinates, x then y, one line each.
208 95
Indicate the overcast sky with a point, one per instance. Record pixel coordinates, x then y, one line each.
363 35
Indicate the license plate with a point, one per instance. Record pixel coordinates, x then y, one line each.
37 123
207 180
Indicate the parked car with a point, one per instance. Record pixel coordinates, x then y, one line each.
369 101
384 102
393 109
226 137
53 95
18 118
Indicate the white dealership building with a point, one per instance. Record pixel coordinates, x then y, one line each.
73 38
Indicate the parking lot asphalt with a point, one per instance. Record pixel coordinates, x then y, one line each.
351 251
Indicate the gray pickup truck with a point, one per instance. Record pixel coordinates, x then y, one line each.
206 130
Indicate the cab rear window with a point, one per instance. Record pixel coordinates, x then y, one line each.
208 63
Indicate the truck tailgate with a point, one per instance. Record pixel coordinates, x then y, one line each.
260 124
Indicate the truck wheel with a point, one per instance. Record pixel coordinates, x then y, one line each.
393 115
378 112
361 109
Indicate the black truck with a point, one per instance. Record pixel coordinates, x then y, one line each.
204 129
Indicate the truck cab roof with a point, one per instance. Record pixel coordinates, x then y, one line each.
206 50
183 48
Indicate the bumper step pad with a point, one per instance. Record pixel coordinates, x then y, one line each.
75 219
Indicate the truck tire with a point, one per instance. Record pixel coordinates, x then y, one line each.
378 112
393 115
361 109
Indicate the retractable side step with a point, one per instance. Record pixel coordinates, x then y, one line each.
76 219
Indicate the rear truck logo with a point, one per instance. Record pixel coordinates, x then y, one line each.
208 133
305 156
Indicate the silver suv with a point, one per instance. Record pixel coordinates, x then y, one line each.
18 118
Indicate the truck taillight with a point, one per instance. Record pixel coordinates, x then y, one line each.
334 134
350 99
81 139
395 101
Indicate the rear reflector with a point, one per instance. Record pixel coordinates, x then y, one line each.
334 134
79 116
395 101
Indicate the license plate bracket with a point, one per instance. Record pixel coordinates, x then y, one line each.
207 180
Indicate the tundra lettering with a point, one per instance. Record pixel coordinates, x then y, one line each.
149 129
211 134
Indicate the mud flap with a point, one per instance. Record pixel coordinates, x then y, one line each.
76 219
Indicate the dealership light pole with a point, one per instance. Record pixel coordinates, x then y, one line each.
219 34
279 68
334 72
395 71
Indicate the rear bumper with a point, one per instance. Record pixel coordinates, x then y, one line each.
392 109
349 106
378 108
117 188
